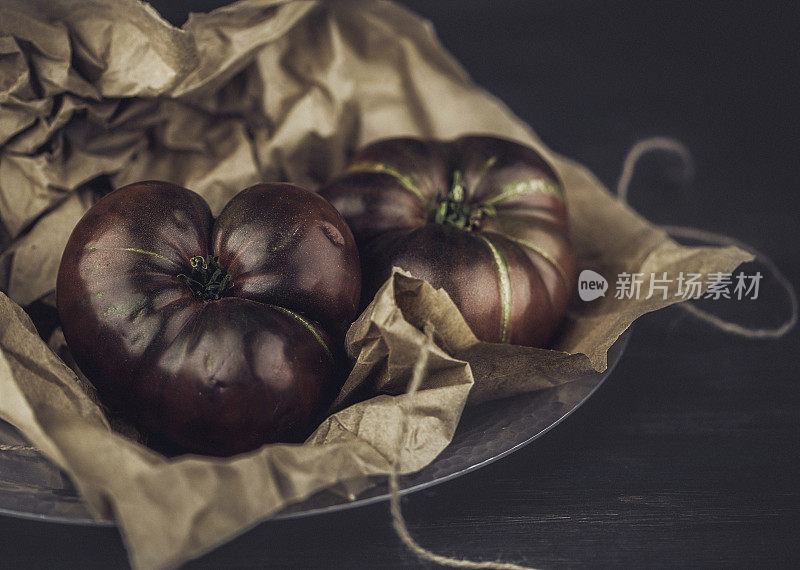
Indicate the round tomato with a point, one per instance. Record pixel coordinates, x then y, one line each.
218 335
482 217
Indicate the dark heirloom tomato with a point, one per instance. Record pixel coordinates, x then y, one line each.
484 218
216 334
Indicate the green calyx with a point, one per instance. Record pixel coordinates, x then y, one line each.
208 280
452 209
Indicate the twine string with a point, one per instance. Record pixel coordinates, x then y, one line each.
398 521
654 144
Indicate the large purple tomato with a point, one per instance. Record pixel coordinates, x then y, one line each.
217 334
482 217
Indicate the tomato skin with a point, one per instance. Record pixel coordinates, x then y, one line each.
221 375
482 217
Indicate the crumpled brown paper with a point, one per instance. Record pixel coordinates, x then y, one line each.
98 93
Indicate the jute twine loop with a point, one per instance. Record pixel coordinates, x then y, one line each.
645 146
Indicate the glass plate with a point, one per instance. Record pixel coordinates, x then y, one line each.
32 487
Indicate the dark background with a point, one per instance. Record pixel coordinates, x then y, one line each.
688 454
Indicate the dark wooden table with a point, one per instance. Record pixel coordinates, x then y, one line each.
688 454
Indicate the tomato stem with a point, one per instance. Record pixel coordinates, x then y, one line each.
453 209
208 280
